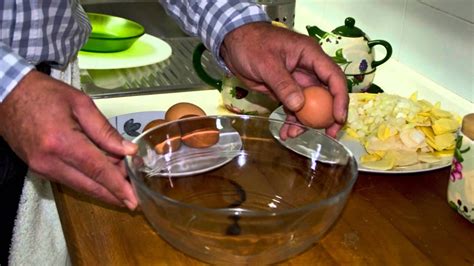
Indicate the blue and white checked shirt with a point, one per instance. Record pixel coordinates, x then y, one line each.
34 31
221 17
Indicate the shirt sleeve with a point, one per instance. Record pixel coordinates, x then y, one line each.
12 69
211 20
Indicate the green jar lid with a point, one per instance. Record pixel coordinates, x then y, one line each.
349 29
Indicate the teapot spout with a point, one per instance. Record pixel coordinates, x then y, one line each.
315 32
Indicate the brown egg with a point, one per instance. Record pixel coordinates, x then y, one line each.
165 140
183 109
317 108
168 145
200 133
153 123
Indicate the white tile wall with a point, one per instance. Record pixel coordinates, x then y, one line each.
433 37
439 46
462 9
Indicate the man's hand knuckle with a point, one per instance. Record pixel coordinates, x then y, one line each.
50 143
284 85
83 101
97 173
108 131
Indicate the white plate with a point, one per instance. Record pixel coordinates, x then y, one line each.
358 150
229 146
131 125
145 51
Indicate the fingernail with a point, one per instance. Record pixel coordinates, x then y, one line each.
129 205
299 131
130 148
295 101
344 117
296 131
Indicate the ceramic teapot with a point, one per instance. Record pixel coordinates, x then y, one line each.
235 97
353 51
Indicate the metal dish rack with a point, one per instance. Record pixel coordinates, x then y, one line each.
174 74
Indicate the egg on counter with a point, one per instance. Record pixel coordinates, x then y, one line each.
165 140
169 138
317 108
153 123
183 110
200 133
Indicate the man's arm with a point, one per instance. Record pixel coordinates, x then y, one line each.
211 20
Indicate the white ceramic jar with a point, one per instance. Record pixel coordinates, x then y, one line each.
461 178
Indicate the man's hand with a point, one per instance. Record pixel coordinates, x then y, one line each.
58 131
280 62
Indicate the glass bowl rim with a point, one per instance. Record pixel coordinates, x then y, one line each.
243 212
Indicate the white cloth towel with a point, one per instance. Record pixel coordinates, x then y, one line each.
38 238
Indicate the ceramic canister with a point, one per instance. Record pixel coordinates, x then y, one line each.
461 178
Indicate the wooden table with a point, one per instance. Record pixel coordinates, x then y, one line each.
388 220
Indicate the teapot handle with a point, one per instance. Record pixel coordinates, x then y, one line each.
197 64
387 47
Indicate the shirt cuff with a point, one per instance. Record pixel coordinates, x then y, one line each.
12 69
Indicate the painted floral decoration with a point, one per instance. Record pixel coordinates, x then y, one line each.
456 167
131 128
363 65
238 92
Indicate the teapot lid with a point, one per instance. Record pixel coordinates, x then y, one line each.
349 29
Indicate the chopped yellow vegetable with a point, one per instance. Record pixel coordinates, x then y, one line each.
414 96
386 163
432 144
405 158
399 131
384 132
412 138
445 141
438 113
428 158
428 133
369 158
352 133
444 153
445 125
425 106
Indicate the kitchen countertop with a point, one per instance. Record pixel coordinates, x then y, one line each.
389 219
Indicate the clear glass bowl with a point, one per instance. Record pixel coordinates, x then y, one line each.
245 196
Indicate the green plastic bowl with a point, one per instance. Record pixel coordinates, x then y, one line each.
111 34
